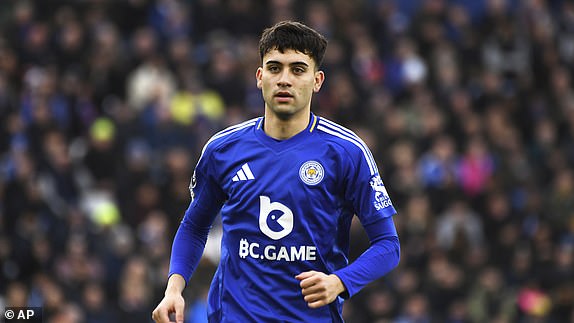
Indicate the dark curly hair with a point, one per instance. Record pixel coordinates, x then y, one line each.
294 35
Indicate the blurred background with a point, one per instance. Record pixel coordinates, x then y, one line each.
468 107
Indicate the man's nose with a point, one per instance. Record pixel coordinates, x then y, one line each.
284 78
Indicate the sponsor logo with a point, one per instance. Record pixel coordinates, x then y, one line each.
276 253
192 184
311 172
275 222
381 198
278 214
243 174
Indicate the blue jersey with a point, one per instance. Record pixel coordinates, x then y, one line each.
286 207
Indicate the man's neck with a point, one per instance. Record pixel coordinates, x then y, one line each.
281 129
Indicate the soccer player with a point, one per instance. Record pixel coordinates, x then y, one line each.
287 185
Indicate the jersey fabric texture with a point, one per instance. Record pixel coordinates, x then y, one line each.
286 207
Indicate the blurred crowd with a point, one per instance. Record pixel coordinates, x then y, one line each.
468 107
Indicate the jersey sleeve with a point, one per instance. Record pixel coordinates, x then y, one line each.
380 258
365 188
207 197
372 205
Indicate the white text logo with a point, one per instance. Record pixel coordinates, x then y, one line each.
382 199
277 253
192 184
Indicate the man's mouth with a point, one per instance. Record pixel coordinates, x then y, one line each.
283 96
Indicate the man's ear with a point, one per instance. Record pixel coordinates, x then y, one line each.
319 79
258 75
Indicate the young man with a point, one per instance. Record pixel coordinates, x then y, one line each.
287 185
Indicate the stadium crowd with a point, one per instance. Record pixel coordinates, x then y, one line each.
468 107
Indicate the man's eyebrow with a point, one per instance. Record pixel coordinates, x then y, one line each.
290 64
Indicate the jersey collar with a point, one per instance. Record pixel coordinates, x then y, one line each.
286 143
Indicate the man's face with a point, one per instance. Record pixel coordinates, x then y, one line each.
287 81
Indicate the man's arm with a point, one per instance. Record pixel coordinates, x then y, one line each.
373 206
207 197
320 289
191 236
380 258
188 246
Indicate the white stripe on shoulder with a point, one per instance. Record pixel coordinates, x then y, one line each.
228 131
338 134
234 128
351 137
354 135
349 132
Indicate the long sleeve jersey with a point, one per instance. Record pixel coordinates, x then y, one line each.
286 207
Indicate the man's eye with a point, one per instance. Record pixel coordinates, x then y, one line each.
298 70
273 69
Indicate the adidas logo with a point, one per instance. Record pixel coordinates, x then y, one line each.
243 174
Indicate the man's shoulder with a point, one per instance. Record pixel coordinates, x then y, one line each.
342 136
230 134
346 142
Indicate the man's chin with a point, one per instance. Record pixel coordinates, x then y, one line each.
284 113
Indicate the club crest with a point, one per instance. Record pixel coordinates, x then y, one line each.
311 172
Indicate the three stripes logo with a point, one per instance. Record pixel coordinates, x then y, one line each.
244 174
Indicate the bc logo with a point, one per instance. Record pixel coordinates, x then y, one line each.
284 220
311 172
